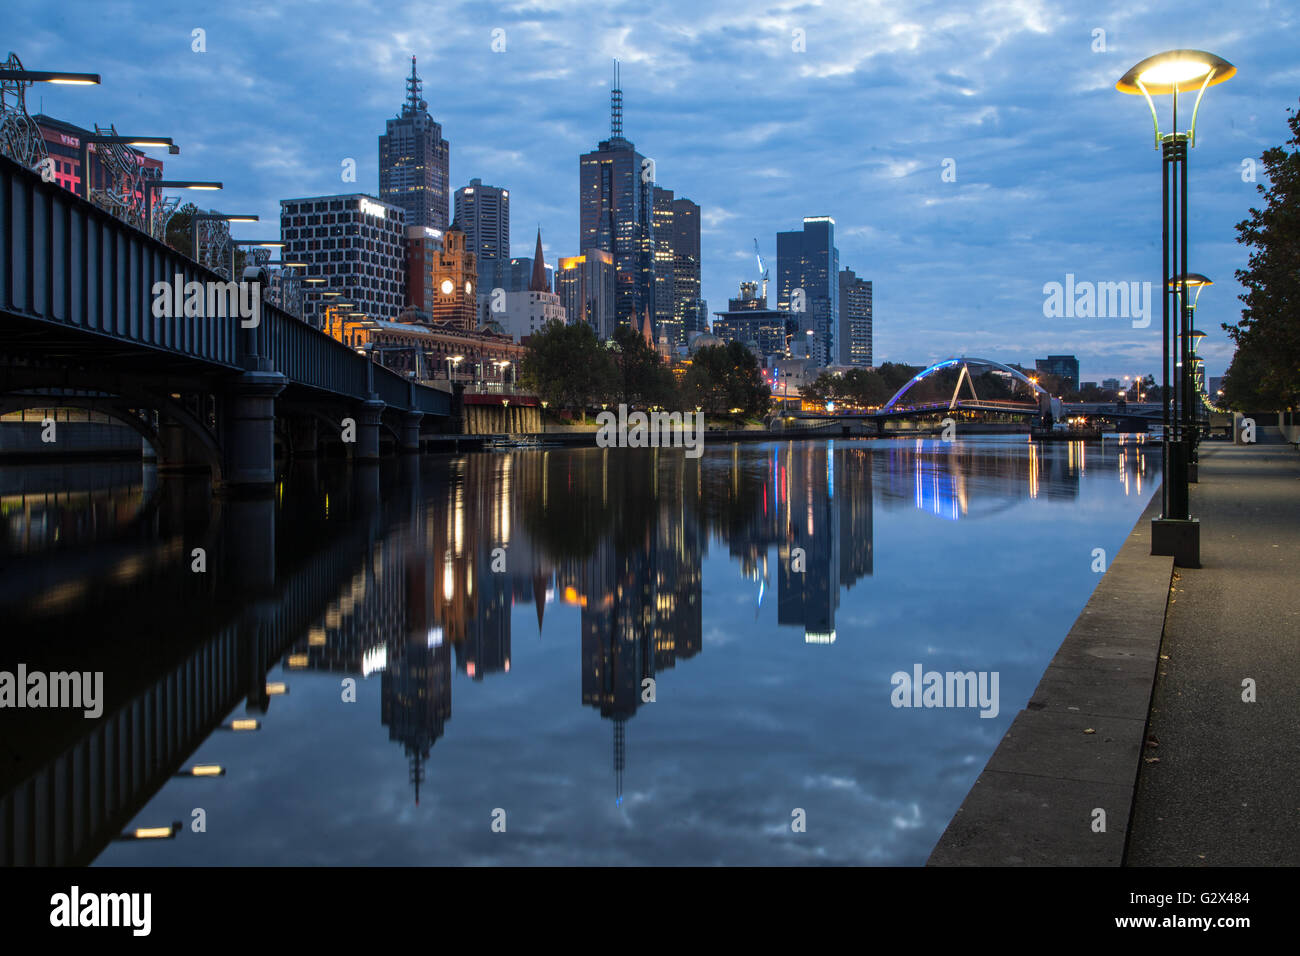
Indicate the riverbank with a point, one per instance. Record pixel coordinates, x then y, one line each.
1059 788
1220 787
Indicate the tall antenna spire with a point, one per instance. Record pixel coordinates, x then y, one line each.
414 87
616 107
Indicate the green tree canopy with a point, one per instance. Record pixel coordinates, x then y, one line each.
1265 371
568 366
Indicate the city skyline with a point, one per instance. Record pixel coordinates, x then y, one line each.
966 260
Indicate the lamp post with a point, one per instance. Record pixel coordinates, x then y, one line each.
1185 408
214 217
1175 532
114 140
151 184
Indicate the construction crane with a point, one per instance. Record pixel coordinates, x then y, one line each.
762 269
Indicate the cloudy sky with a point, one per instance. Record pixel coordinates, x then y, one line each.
761 112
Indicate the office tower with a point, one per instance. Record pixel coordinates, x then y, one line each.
423 243
662 219
356 243
686 267
1064 367
585 285
750 322
455 279
484 213
855 320
615 214
807 275
414 161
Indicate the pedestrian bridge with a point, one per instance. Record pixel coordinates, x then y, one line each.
77 327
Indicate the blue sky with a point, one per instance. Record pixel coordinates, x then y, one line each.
1056 172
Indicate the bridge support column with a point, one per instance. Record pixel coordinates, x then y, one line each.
250 434
303 434
367 444
411 432
177 455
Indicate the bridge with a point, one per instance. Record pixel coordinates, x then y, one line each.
1130 416
213 393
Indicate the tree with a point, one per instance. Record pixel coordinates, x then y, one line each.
723 377
567 365
1265 371
644 378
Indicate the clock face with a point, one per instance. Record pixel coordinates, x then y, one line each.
447 287
469 288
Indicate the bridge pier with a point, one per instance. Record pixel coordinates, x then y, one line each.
304 437
250 434
368 418
177 454
411 432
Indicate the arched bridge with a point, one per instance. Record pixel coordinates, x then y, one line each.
78 326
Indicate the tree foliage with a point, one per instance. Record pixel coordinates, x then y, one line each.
1265 371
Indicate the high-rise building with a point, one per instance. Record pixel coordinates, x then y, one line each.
855 320
1063 367
423 243
585 285
615 214
807 277
455 282
677 265
484 213
686 267
356 243
751 323
414 161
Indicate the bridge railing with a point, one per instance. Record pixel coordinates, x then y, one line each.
69 264
66 262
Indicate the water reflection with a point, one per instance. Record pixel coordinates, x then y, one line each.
419 571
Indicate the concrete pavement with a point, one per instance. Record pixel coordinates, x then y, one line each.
1221 784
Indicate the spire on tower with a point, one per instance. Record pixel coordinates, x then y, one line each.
616 107
538 281
415 103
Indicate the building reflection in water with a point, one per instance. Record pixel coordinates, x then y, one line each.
408 575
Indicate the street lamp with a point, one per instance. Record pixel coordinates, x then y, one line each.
151 184
115 140
452 362
1175 532
214 217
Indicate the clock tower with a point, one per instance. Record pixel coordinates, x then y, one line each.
455 282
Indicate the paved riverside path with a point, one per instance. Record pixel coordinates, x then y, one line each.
1226 787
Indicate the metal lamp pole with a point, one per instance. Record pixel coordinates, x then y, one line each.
1175 532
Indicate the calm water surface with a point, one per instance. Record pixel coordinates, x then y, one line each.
498 615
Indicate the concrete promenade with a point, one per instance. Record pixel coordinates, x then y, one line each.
1225 787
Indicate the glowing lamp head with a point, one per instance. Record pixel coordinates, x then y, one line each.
1175 70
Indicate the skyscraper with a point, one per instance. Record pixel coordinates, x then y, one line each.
484 213
585 285
807 277
677 265
414 161
615 214
855 320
